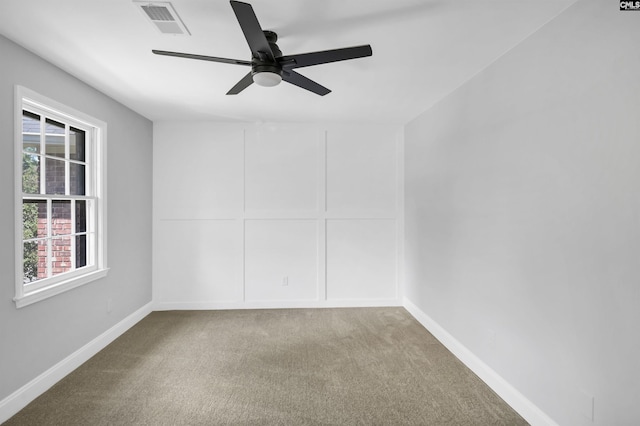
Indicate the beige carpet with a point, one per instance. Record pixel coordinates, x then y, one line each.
365 366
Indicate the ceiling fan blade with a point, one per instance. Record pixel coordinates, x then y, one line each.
202 57
304 82
325 56
252 31
246 81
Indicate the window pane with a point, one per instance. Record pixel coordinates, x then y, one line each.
31 143
61 217
61 256
76 144
53 127
30 261
30 132
77 179
30 122
54 138
34 219
34 261
81 216
55 176
81 251
31 173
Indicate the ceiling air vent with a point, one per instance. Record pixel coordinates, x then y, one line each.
163 16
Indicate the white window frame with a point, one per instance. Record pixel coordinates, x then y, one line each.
27 294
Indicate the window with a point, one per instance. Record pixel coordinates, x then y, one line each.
60 198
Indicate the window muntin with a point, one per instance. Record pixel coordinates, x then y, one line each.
60 199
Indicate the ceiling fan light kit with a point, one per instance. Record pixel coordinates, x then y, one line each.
268 65
267 78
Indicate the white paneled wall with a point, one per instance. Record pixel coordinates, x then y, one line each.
361 172
281 171
360 258
281 260
275 216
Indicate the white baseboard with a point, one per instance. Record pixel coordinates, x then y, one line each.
529 411
285 304
36 387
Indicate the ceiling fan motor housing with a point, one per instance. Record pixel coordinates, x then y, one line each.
264 63
272 38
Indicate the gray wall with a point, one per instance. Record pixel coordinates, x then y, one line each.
36 337
523 215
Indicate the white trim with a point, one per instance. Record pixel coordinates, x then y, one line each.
321 256
293 304
400 213
36 387
52 290
17 182
527 409
56 108
100 192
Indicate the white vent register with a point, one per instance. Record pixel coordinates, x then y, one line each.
163 16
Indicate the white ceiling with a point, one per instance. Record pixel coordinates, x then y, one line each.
422 50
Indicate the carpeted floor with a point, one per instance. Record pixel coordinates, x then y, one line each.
362 366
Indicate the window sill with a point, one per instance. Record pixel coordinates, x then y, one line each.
61 287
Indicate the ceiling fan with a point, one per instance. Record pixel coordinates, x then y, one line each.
268 66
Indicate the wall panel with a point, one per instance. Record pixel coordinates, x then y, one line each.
200 171
361 171
281 169
198 260
361 258
281 260
241 216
